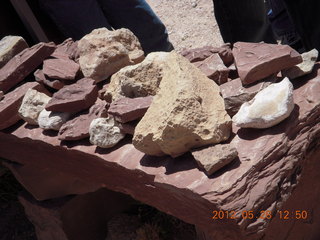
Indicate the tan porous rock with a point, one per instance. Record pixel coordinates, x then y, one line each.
187 112
32 104
309 59
268 108
103 52
52 120
9 47
139 80
105 132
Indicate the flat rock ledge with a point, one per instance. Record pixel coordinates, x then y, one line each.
272 173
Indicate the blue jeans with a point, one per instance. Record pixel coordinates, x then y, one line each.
76 18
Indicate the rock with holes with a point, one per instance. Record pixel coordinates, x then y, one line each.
187 112
105 132
268 108
103 52
9 47
52 120
32 104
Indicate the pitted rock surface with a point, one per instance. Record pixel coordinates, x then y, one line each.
103 52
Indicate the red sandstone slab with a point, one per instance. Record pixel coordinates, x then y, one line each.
62 69
68 49
23 64
256 61
41 78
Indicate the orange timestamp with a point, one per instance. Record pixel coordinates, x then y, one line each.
281 214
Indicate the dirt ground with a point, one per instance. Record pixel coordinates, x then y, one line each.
190 23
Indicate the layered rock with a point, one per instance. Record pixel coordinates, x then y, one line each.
104 52
78 127
52 120
9 47
268 108
23 64
9 106
139 80
187 112
62 69
32 104
212 159
105 132
41 78
75 97
129 109
68 49
309 59
256 61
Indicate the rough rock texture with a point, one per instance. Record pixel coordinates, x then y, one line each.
200 54
182 115
75 97
1 95
52 120
309 59
129 109
256 61
214 69
104 52
9 106
33 103
128 128
78 127
268 108
67 50
41 78
234 94
62 69
105 132
139 80
23 64
213 158
9 47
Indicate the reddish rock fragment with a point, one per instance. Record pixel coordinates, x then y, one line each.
41 78
256 61
62 69
11 102
78 127
129 109
23 64
66 50
214 69
75 97
128 128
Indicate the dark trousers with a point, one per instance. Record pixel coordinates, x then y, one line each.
76 18
243 20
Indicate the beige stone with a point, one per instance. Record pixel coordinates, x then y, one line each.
105 132
139 80
268 108
9 47
32 104
187 112
103 52
52 120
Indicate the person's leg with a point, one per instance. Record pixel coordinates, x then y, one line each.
75 18
138 16
244 20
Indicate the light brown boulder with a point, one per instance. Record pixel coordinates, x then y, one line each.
9 47
32 104
187 112
104 52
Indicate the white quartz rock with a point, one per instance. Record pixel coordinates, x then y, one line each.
268 108
52 120
105 132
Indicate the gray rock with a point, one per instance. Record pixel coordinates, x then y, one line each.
52 120
9 47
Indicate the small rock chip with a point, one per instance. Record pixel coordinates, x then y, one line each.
52 120
41 78
1 95
105 132
268 108
104 52
32 104
128 128
214 69
66 50
309 59
75 97
129 109
9 47
256 61
62 69
213 158
23 64
78 127
234 94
